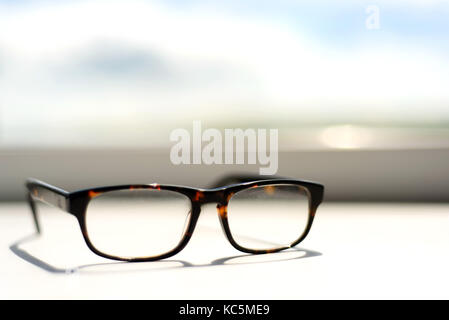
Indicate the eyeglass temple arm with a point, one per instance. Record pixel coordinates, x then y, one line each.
41 191
240 178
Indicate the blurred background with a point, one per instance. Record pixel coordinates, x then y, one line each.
90 91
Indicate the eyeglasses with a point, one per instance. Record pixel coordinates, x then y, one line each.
147 222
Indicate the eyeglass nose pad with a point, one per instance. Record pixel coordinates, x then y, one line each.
186 222
222 210
222 216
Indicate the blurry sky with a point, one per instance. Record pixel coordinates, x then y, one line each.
96 72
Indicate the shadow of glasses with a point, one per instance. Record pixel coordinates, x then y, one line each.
291 254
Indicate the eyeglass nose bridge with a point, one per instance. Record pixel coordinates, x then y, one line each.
202 197
220 199
212 197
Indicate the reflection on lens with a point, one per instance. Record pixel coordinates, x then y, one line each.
137 223
268 217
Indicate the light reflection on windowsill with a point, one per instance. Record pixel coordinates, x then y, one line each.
356 137
302 138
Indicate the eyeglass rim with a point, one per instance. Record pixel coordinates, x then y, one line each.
76 203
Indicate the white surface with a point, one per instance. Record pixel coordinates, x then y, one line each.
355 251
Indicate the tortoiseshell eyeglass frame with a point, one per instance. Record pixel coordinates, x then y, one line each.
76 203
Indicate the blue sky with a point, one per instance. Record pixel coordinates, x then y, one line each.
333 22
134 61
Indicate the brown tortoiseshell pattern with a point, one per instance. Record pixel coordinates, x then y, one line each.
76 204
